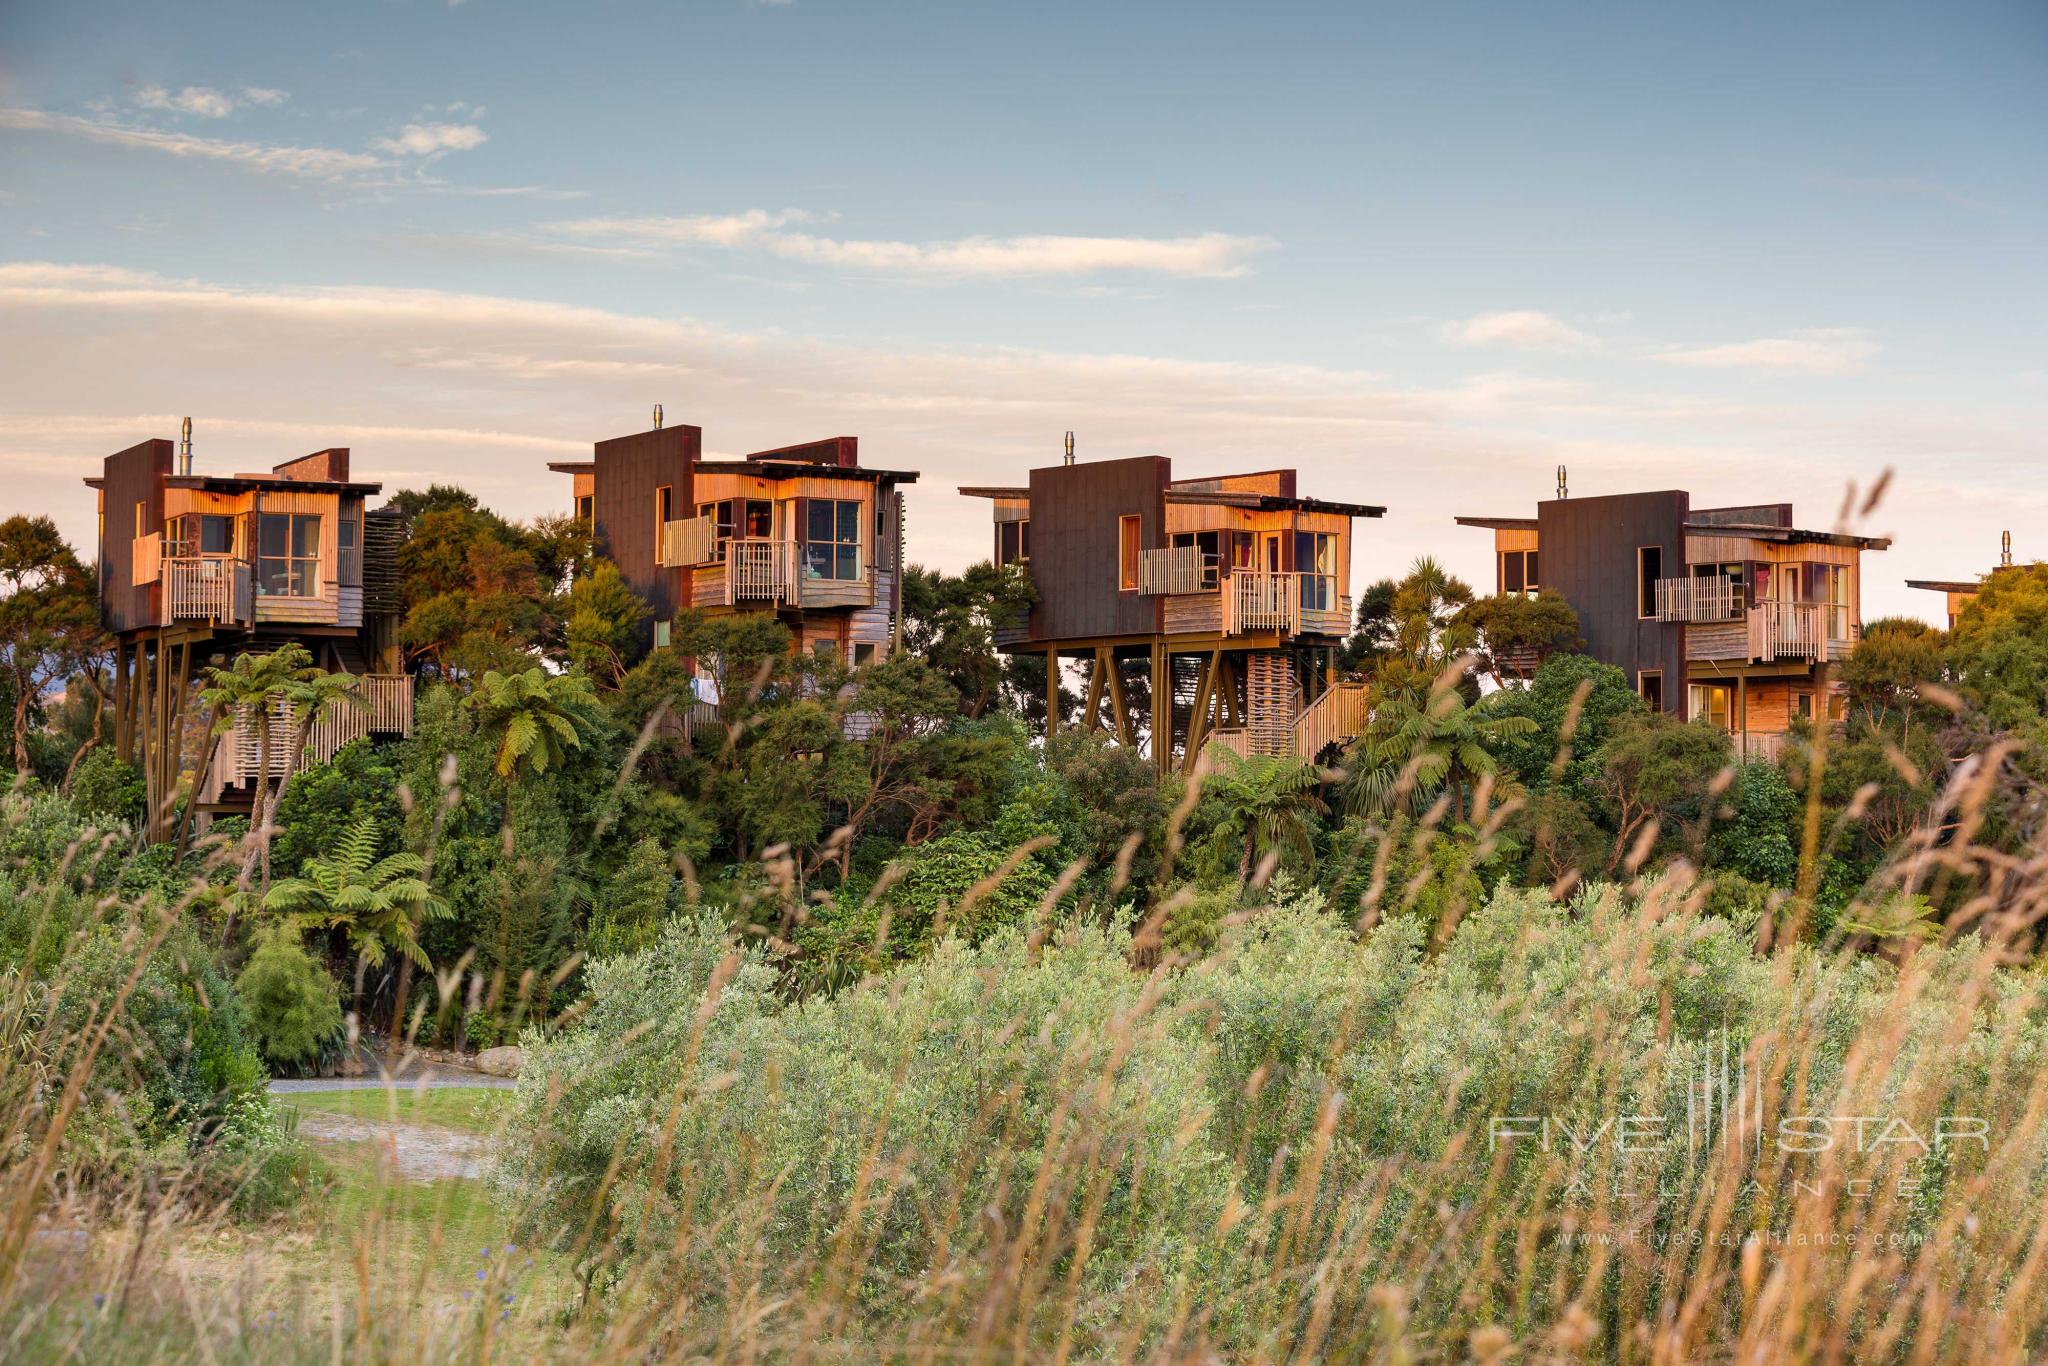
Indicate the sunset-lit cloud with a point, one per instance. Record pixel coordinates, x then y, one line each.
778 233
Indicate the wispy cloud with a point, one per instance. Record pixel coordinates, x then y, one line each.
477 389
320 163
204 102
1215 255
431 139
1525 329
398 161
195 100
1812 351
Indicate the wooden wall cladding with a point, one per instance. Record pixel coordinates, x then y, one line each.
629 470
133 476
1589 555
1074 512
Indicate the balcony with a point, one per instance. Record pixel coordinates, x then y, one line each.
773 573
212 588
1291 604
1714 597
1201 597
1811 631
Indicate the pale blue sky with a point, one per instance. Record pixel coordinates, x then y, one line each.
1425 251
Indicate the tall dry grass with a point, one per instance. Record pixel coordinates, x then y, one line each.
1404 1146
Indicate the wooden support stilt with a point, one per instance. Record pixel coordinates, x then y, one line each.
1052 692
1117 703
1742 715
174 751
1205 697
120 682
1162 708
1092 708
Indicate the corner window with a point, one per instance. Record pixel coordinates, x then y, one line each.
1518 572
1013 542
1650 683
1315 564
1128 540
1649 569
586 508
288 555
832 539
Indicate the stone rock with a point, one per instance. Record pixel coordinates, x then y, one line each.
498 1062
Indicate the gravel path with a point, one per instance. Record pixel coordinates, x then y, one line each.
417 1152
432 1076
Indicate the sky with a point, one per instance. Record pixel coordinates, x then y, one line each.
1423 252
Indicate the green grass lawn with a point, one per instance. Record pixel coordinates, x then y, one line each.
472 1109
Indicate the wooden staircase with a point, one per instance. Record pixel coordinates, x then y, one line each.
1336 718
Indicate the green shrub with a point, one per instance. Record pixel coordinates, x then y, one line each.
294 1006
106 788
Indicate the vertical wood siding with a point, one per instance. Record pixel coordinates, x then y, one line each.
1074 513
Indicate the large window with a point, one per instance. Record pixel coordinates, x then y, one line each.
832 540
1649 569
1713 702
288 555
1129 539
1315 562
1518 572
1013 542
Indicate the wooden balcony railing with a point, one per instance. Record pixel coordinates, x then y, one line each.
1706 598
1178 569
206 588
1260 600
760 570
690 541
1813 631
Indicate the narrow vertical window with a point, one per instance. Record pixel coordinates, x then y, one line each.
1127 544
1649 569
1650 683
664 511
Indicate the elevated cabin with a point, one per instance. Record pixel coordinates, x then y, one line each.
1960 593
804 532
1732 615
195 568
1230 593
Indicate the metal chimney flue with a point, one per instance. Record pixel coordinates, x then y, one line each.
2005 549
1070 448
1564 489
657 417
185 448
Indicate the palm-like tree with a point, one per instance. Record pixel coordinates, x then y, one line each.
1267 805
378 901
537 717
282 682
1409 754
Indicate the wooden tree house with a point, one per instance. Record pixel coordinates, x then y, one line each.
1228 596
